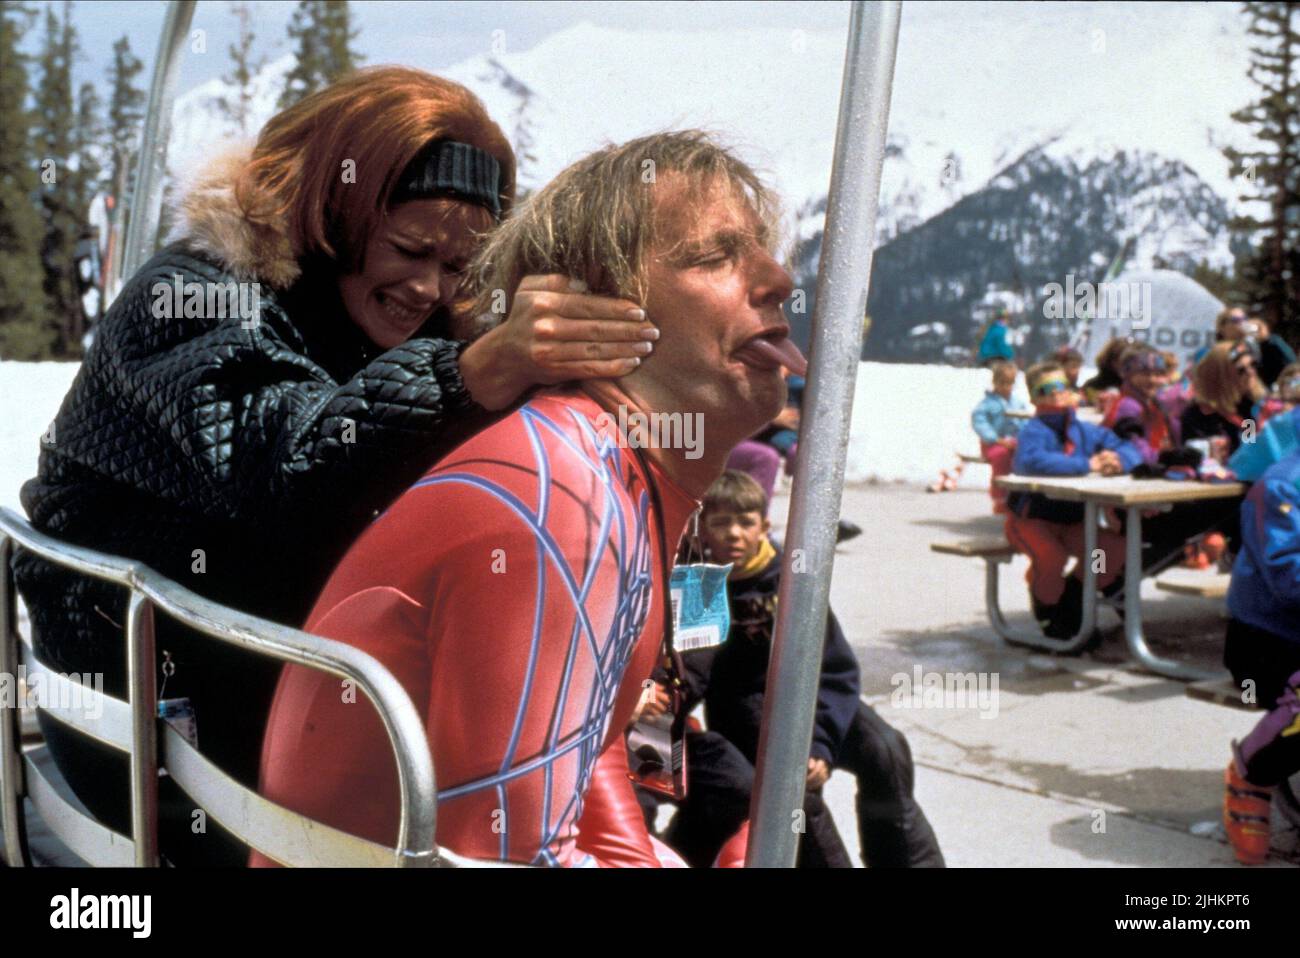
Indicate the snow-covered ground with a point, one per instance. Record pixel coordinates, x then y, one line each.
30 394
908 421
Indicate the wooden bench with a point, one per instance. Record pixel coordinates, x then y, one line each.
989 547
1198 582
969 459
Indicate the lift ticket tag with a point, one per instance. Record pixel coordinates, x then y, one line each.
701 614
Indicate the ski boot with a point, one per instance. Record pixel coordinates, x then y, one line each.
1246 816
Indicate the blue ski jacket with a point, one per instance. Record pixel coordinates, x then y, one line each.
1279 438
994 345
1265 589
989 419
1040 451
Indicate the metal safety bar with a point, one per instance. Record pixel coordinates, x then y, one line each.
146 208
836 349
12 784
150 591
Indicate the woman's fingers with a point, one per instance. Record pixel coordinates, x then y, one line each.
585 306
602 331
573 334
591 369
561 295
547 353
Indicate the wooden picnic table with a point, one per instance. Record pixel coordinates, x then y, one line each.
1122 491
1086 413
1134 496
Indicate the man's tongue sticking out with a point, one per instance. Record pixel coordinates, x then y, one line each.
782 352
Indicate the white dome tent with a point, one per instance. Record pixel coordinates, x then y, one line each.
1162 307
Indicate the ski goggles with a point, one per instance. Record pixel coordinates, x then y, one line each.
1050 387
1144 362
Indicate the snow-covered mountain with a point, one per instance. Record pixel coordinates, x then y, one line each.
1132 100
199 123
1046 216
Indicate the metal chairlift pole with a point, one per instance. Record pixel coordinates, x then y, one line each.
836 348
146 207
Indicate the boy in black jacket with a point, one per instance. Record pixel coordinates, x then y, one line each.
731 679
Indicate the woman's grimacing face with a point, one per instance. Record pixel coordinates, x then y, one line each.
414 262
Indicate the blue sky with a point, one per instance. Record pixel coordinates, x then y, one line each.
393 30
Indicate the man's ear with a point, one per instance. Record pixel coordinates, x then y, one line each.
767 525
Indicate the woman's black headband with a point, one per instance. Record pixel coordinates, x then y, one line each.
448 168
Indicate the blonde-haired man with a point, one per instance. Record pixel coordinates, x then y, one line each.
517 590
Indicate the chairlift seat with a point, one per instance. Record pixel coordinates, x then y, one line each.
30 782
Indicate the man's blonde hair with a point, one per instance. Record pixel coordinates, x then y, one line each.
1040 371
596 220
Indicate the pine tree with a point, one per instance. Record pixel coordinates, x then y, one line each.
24 331
320 30
1268 277
305 76
245 69
88 135
340 58
1217 281
125 121
87 143
59 191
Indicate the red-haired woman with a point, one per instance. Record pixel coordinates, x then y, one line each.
262 388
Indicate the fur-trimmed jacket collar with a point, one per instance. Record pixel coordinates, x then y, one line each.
211 221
